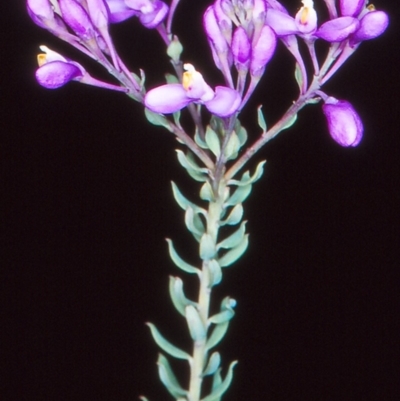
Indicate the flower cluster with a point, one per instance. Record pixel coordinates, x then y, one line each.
85 25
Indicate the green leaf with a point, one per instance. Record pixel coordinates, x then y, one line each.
143 398
235 253
261 119
298 76
215 272
213 364
207 247
246 179
291 121
219 390
242 135
217 334
234 239
206 192
235 216
179 262
168 378
157 119
240 194
183 202
232 148
226 312
212 141
200 141
196 172
196 326
194 223
166 345
177 296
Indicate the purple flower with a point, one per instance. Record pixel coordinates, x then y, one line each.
76 17
304 23
262 51
344 124
55 70
241 48
338 29
119 11
372 24
151 12
42 14
351 8
170 98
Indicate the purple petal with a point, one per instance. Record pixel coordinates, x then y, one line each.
167 99
225 102
77 19
57 73
351 8
119 11
282 23
338 29
39 11
274 4
263 50
213 30
306 20
154 18
345 125
372 25
241 46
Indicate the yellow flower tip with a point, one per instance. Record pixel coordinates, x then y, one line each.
189 76
41 59
305 11
371 7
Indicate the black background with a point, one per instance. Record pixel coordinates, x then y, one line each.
86 205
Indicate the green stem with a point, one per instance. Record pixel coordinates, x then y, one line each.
200 352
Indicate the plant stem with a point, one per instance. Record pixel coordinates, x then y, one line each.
200 351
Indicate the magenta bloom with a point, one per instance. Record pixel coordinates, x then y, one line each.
150 12
338 29
170 98
344 124
372 25
119 11
351 8
55 70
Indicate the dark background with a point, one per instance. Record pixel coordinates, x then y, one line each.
86 205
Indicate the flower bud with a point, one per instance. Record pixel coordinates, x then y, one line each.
344 124
76 17
351 8
241 47
372 25
338 29
263 50
306 17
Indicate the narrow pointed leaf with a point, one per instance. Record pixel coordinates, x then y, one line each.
168 378
200 141
196 326
177 296
240 194
194 224
207 247
246 179
290 122
183 202
179 262
206 192
166 345
235 253
235 216
215 272
217 334
261 119
157 119
213 364
234 239
212 141
232 148
219 390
